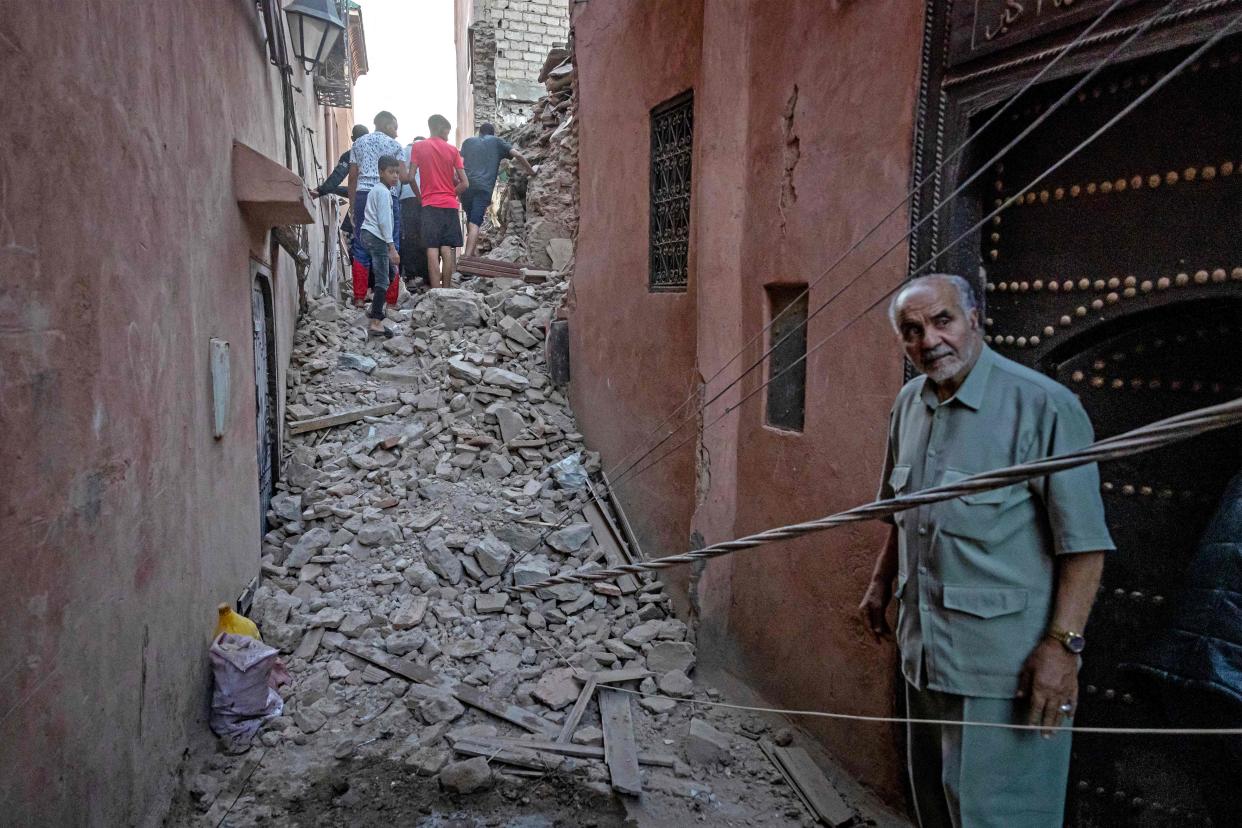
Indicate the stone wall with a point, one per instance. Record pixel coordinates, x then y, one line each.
512 38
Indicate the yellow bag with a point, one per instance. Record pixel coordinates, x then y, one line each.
232 622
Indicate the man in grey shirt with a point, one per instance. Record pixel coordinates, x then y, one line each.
993 588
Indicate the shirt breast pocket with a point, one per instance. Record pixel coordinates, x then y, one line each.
899 482
986 517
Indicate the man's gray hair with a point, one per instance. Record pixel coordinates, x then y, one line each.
965 293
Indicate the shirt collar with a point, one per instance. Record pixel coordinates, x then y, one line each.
970 394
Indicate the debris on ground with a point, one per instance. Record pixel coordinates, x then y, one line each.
437 463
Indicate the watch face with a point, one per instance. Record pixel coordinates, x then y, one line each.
1075 643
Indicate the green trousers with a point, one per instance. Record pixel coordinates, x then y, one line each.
980 777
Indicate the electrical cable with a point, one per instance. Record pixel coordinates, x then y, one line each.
1191 58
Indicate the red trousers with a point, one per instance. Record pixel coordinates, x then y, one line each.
361 273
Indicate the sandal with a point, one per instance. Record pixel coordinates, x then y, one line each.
387 334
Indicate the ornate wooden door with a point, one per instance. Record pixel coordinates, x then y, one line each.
1121 276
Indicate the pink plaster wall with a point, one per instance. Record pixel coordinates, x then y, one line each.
618 322
124 521
856 67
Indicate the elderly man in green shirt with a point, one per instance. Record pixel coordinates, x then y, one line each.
993 589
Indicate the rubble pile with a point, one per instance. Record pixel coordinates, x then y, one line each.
393 538
538 216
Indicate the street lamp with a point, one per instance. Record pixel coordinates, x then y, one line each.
314 27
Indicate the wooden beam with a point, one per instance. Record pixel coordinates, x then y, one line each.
610 545
614 676
353 415
620 750
659 760
580 706
464 693
630 537
812 787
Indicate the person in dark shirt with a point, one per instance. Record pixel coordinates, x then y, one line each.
483 154
332 184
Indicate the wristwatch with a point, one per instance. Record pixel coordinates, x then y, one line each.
1072 641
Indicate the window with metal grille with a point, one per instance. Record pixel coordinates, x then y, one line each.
672 144
786 404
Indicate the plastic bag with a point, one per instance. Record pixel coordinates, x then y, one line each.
569 473
235 623
242 698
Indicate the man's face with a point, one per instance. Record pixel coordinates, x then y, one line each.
938 336
390 175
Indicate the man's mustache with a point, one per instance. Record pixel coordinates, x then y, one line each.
937 353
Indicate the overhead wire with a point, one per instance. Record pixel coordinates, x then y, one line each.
1136 441
1191 58
984 167
967 141
1029 84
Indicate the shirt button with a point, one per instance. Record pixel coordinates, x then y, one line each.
922 530
922 570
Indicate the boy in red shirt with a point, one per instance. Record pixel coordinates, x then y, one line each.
442 176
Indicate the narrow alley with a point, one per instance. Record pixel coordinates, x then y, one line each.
422 693
621 414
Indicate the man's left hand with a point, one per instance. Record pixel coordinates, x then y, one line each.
1049 679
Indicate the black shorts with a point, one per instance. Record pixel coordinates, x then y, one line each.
441 227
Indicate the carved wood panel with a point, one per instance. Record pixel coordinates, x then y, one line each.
1121 276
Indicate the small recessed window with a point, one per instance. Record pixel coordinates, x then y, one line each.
672 146
786 403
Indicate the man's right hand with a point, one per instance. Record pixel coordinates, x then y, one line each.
394 257
874 608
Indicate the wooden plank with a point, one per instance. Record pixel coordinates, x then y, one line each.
405 669
806 776
464 693
659 760
580 706
520 757
620 750
519 716
609 541
768 748
631 539
614 676
343 418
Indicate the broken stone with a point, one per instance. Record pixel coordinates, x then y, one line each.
306 547
642 634
405 642
460 368
515 331
497 467
675 683
490 603
356 362
410 614
557 688
287 506
492 554
657 705
440 708
427 761
588 736
379 533
505 379
706 745
571 538
452 308
308 719
466 777
669 655
443 561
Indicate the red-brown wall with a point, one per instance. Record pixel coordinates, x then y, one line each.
762 213
123 252
637 348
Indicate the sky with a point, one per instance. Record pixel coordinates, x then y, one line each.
413 64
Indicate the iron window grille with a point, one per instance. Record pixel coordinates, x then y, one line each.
672 146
